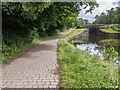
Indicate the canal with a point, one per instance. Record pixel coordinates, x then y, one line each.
106 47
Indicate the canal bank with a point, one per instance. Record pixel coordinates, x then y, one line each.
79 69
98 43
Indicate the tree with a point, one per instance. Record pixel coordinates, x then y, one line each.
86 21
111 17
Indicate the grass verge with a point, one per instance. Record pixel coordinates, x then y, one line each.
81 70
111 30
74 32
17 51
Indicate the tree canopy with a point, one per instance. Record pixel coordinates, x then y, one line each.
111 16
81 21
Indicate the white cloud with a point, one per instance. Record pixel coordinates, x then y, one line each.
103 6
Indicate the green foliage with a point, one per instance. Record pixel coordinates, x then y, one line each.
81 21
16 45
81 70
25 21
110 53
113 28
111 17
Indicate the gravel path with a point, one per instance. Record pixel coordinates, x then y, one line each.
37 68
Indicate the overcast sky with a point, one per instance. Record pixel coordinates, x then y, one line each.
103 6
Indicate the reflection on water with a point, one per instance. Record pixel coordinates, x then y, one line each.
105 47
91 49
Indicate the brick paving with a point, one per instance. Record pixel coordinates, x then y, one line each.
37 68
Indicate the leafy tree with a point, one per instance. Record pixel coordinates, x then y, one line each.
111 17
86 21
81 21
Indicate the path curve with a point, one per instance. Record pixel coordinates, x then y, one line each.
37 68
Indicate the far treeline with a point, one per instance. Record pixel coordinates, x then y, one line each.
24 22
111 16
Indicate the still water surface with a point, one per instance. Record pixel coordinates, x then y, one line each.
106 47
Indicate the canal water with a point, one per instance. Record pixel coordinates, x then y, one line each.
105 47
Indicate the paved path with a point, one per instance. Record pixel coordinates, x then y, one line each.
37 68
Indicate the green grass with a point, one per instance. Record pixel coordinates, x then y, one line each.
78 69
77 41
110 30
81 70
14 50
74 32
113 42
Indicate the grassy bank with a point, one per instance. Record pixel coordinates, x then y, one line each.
109 30
74 32
81 70
14 50
112 29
